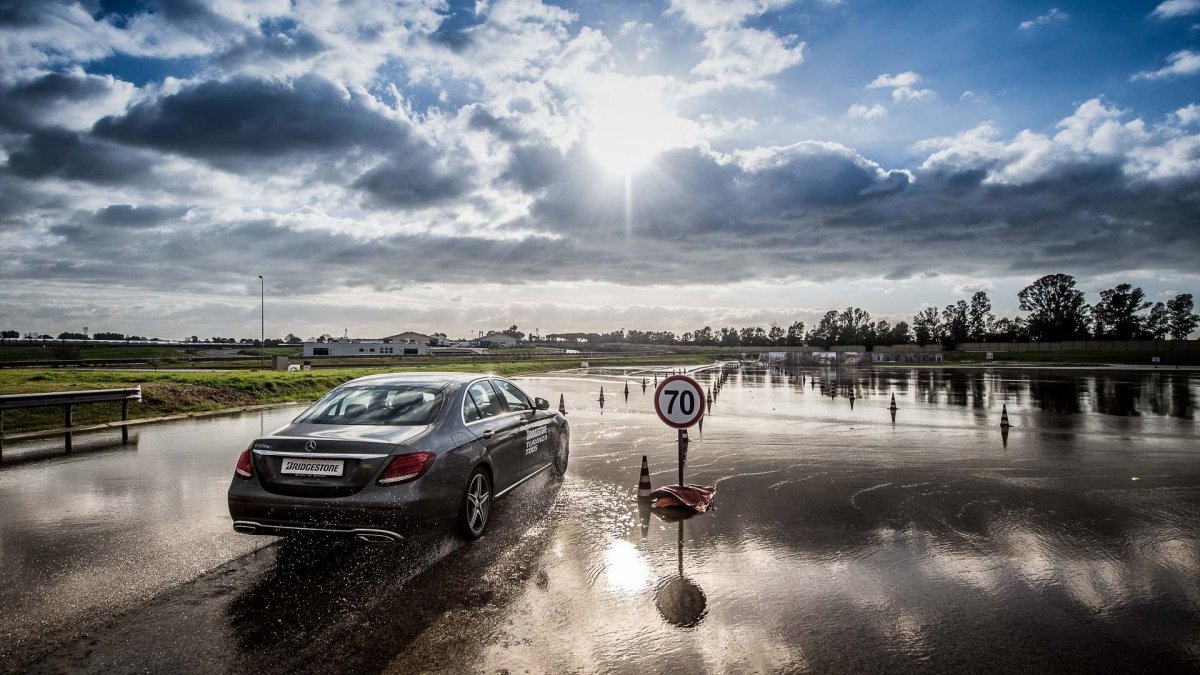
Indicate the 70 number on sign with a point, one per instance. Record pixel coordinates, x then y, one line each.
679 401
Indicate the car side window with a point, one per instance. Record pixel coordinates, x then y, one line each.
516 399
470 410
482 398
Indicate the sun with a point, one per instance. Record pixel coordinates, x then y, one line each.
628 124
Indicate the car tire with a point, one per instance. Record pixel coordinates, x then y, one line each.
562 453
476 505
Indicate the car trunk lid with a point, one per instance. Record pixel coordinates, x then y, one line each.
324 464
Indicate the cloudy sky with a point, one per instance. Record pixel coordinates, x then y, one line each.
587 165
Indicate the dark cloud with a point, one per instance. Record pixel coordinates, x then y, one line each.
409 181
251 119
58 153
533 167
816 176
692 192
479 119
22 13
24 105
457 41
126 215
279 43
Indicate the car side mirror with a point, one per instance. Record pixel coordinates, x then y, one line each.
541 404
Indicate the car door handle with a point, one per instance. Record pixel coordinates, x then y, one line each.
487 434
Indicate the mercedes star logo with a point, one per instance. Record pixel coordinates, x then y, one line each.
310 446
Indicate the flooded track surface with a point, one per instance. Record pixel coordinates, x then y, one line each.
841 540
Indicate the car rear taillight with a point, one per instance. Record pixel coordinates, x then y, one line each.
404 468
244 467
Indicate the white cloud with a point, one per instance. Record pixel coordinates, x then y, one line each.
1175 8
736 55
867 112
1094 135
1187 115
1054 15
746 57
1183 62
722 13
903 86
643 38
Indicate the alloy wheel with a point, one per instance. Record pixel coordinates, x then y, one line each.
478 504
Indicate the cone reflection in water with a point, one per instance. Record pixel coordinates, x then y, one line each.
1004 436
893 411
643 492
644 516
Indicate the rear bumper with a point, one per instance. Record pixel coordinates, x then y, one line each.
371 515
361 533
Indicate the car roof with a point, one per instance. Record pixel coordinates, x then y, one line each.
422 378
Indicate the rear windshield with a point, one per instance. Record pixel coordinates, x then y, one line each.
390 405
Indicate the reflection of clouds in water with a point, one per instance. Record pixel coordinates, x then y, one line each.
842 544
740 648
1101 581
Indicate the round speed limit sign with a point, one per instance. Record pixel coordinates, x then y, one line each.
679 401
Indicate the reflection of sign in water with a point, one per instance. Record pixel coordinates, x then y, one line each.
990 356
679 600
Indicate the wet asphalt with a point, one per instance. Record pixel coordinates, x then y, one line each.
841 540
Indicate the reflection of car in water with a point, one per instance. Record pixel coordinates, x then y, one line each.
385 453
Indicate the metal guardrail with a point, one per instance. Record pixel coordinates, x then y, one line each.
68 400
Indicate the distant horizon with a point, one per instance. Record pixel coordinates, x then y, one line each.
570 166
1121 313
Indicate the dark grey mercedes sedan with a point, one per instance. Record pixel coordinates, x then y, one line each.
381 455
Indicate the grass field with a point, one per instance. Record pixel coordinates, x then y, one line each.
178 391
55 352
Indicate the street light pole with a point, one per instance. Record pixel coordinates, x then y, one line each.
262 326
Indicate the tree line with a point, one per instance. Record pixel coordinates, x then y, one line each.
1056 310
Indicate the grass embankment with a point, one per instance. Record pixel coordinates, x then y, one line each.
175 392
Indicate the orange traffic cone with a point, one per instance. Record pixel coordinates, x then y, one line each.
893 405
643 492
562 405
1004 416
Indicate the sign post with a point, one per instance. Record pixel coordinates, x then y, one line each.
679 402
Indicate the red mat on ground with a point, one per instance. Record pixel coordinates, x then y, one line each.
696 497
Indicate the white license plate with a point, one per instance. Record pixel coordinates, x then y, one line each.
302 466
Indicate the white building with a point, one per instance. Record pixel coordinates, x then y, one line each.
498 340
365 348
